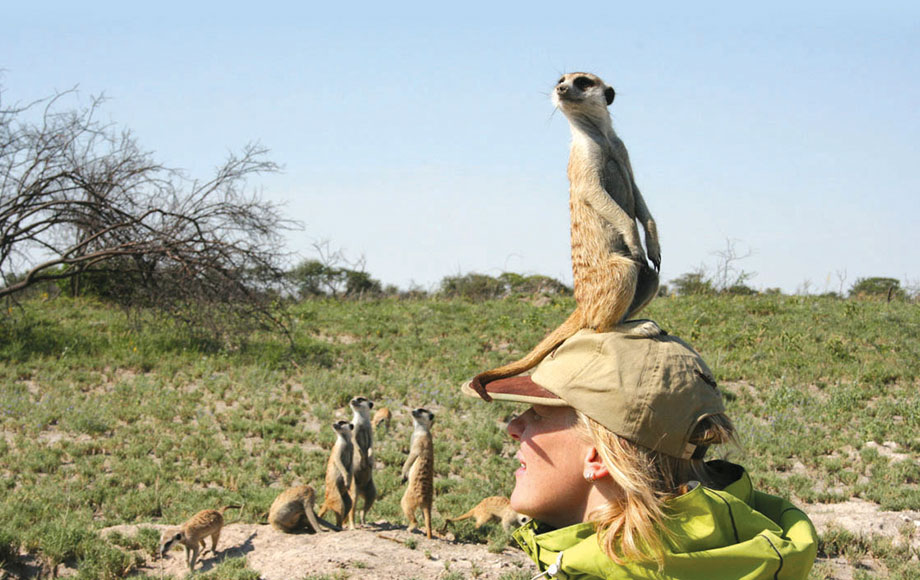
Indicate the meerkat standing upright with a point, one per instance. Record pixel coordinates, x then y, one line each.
339 475
611 276
419 471
362 483
193 532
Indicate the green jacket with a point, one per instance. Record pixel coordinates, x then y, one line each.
735 533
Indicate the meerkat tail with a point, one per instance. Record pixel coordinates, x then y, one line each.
328 524
572 324
468 514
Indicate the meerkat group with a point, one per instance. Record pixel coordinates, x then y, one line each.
292 510
611 274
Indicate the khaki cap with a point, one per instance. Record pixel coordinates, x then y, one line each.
646 386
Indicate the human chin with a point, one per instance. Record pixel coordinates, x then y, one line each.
519 495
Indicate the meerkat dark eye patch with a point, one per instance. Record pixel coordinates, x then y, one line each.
583 83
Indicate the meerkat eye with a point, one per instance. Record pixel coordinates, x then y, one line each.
583 83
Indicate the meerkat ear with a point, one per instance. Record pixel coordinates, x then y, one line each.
609 93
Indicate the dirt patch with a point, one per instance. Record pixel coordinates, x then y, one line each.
378 551
866 519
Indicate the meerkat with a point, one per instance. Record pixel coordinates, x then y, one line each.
339 475
382 417
193 533
418 470
362 482
293 509
496 507
611 275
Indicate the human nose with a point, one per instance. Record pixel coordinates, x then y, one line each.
515 428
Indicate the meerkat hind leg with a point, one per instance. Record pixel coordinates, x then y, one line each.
426 511
370 496
409 512
606 292
646 289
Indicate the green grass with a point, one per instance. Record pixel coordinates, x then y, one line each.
106 419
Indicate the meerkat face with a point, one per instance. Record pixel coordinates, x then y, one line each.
423 417
361 404
168 539
577 91
344 428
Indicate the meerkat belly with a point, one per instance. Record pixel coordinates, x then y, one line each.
593 238
421 476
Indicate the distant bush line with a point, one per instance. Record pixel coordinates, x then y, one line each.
316 279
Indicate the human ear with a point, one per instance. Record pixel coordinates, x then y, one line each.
594 466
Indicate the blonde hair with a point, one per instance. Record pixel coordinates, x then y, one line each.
632 526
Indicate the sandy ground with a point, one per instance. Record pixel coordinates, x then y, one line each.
376 551
385 551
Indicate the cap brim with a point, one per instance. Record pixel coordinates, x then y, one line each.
520 389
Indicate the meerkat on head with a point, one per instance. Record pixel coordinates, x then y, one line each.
611 275
583 90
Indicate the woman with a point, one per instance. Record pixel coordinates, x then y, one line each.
612 469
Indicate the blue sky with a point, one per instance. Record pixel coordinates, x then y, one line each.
421 137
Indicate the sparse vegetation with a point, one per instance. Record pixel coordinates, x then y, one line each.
106 422
877 287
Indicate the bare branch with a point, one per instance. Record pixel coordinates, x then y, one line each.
80 199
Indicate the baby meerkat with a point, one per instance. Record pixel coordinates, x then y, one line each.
496 507
338 474
611 276
193 532
362 483
418 470
382 417
293 509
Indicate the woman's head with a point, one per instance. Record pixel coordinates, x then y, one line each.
618 422
630 524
